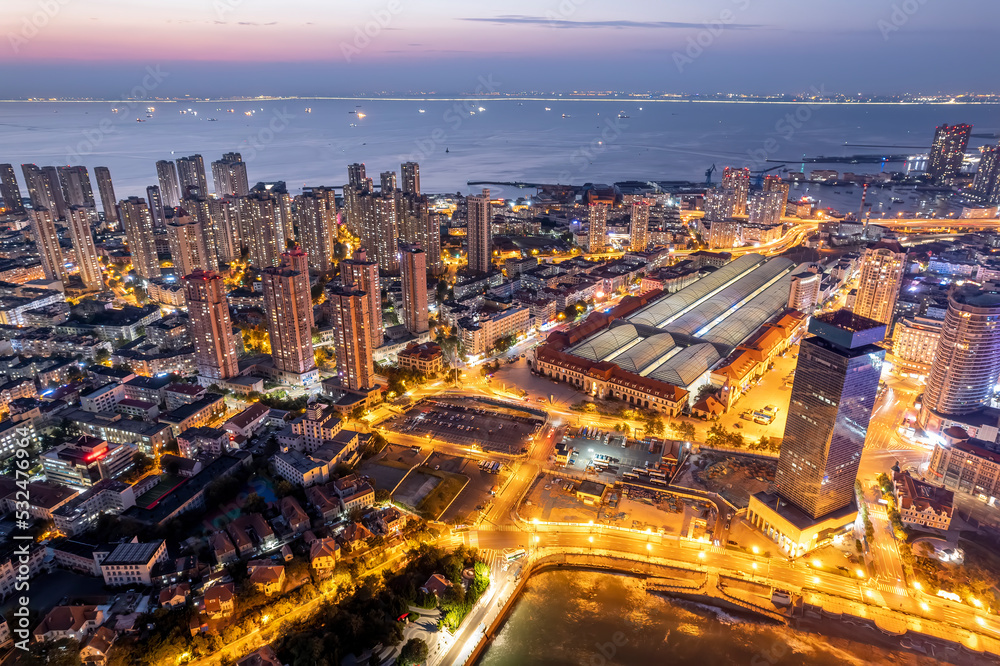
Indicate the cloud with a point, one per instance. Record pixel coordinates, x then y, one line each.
521 19
256 24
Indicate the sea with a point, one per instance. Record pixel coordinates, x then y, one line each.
311 141
577 618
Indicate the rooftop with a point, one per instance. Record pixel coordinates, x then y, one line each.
133 553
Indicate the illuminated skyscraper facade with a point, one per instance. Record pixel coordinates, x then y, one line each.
210 326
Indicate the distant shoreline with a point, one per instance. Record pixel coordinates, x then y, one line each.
515 98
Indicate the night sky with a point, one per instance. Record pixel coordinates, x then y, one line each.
318 47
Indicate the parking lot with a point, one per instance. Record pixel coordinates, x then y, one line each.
619 459
468 422
476 495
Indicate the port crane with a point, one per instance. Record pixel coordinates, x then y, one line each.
758 182
708 175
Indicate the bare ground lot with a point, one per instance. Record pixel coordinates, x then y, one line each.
429 491
475 495
549 500
389 467
735 476
468 423
385 473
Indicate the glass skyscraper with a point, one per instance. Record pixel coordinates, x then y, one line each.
836 381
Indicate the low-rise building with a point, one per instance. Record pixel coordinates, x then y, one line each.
219 601
108 496
426 358
223 548
75 622
16 434
132 563
301 469
178 395
149 437
189 495
94 651
481 332
18 566
294 514
921 504
199 413
83 558
15 389
213 442
363 497
323 556
150 389
965 464
250 532
266 576
138 409
248 422
914 343
102 399
319 424
44 498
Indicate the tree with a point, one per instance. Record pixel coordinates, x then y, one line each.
63 652
684 430
414 652
654 423
102 356
705 391
254 504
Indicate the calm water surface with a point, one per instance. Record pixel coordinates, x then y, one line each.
506 141
577 618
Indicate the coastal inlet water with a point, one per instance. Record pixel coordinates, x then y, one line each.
575 618
310 142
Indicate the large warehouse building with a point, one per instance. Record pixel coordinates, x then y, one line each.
657 350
